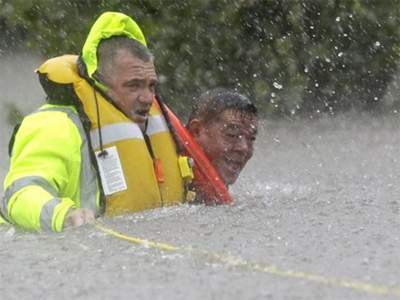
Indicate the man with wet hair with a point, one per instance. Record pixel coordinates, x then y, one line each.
224 123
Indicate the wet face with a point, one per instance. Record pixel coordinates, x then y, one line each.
228 141
131 85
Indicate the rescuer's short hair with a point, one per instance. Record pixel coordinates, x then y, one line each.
108 49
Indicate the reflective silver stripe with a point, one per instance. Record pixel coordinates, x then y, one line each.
20 184
123 131
156 124
88 177
115 132
46 214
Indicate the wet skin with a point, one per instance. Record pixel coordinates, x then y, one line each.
131 84
228 141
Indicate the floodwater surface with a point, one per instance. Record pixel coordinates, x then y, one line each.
316 216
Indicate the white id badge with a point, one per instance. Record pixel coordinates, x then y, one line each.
111 173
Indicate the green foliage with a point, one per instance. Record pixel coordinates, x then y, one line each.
289 56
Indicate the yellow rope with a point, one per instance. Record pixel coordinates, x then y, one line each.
138 241
264 268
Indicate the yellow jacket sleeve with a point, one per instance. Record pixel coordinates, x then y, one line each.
43 181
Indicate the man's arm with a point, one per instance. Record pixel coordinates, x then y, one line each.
44 174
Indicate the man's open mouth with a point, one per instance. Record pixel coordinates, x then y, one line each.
234 165
143 112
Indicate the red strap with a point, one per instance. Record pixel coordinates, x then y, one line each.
159 170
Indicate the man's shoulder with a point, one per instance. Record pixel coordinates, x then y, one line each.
50 119
53 113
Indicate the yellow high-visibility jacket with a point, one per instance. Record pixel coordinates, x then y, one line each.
44 180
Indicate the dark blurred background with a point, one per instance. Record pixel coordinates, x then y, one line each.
293 58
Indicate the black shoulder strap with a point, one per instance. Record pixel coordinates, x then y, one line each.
12 139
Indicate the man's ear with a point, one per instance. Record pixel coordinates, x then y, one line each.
194 127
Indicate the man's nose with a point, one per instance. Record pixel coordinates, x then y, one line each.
243 145
147 96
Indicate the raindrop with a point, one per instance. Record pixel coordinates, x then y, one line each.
340 54
162 78
337 19
277 85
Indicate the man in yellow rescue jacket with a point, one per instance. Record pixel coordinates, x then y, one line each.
101 143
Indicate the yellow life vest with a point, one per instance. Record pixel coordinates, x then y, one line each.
153 177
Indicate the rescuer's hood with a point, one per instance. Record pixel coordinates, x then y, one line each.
109 24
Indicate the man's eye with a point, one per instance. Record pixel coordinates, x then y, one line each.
231 134
133 85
